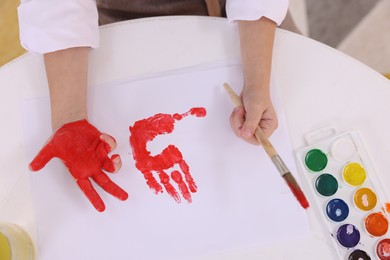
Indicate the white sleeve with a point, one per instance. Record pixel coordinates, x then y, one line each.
251 10
51 25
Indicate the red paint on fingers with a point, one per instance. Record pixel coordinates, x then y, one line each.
86 186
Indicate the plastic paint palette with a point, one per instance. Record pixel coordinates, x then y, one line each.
348 195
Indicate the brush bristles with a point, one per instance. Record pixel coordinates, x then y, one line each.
296 190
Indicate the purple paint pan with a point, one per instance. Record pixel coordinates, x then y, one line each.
348 235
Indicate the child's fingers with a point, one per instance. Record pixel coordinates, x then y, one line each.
113 164
42 158
109 141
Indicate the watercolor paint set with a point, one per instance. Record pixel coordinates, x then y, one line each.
347 194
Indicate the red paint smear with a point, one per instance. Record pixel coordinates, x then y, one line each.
81 149
299 195
144 131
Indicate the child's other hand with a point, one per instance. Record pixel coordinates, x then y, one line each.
84 150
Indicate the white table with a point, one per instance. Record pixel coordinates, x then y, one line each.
304 68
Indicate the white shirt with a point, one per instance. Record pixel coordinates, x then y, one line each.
51 25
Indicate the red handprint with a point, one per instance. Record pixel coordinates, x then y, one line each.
84 150
144 131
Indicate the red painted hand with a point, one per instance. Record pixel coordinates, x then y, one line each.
84 150
146 130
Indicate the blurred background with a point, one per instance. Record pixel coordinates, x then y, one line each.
359 28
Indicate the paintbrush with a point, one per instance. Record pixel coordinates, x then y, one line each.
270 150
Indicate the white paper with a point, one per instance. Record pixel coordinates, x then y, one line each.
241 199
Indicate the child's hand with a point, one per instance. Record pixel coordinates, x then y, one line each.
257 110
84 150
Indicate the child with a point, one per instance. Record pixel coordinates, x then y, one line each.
65 31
